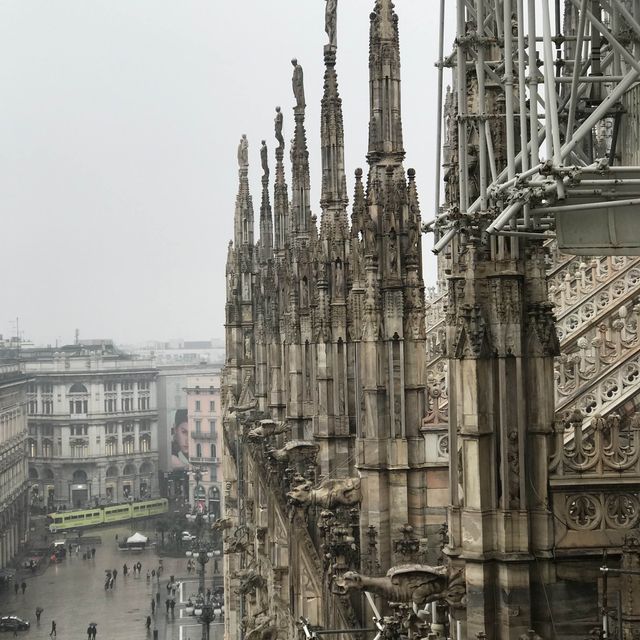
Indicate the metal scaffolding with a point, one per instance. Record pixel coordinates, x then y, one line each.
534 126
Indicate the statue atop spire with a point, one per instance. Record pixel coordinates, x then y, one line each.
243 152
331 22
298 84
264 159
278 128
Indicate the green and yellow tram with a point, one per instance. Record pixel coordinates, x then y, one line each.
64 520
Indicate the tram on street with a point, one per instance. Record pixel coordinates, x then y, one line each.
64 520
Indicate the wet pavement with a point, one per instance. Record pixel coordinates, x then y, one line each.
72 593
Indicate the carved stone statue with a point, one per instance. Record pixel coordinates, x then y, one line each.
329 494
243 152
293 450
267 429
250 581
221 524
331 21
264 158
278 127
298 84
416 583
260 627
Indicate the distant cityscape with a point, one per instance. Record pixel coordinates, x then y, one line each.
95 423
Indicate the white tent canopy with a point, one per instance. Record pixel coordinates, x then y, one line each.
137 538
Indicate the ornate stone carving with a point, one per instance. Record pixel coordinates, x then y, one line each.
298 85
329 494
331 21
268 429
296 450
243 152
414 583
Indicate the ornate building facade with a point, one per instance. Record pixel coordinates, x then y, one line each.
14 485
352 434
93 423
327 466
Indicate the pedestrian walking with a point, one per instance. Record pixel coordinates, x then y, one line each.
23 586
94 630
115 573
167 604
93 552
89 632
39 611
125 569
16 587
148 576
153 607
53 633
153 573
172 603
148 622
139 565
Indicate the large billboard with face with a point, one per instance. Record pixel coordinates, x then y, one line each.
180 440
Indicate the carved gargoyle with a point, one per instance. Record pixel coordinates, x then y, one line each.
416 583
220 524
294 450
238 542
250 581
267 429
330 493
260 627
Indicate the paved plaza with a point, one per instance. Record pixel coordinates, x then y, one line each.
72 593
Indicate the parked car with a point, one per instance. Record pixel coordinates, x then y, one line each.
187 537
13 623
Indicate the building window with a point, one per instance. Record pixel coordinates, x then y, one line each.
212 427
111 428
126 386
110 405
46 387
213 451
78 406
198 450
33 449
31 387
145 425
145 444
127 404
197 405
212 405
198 426
143 404
127 427
79 449
46 430
80 430
47 448
33 406
143 385
111 448
47 407
128 445
110 386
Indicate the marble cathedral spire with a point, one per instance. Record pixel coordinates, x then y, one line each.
280 191
385 123
300 180
333 199
243 219
266 217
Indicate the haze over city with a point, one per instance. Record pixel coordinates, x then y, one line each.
120 124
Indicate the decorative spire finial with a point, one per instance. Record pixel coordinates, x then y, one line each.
243 152
278 127
264 158
298 84
331 22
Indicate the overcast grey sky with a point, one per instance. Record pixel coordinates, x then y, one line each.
119 123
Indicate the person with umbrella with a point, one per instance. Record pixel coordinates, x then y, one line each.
39 611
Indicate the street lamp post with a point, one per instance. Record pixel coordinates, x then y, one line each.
202 551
